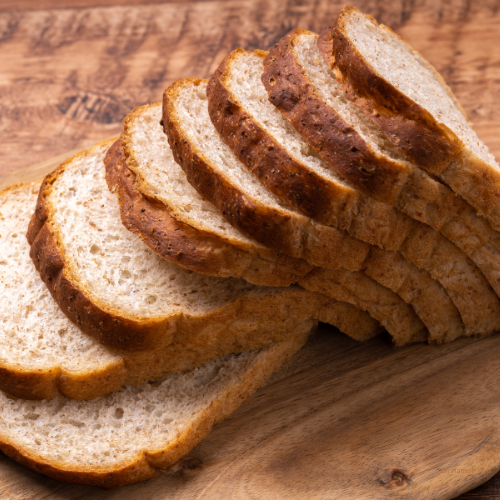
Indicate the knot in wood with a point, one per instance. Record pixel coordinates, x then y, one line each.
190 464
399 478
187 467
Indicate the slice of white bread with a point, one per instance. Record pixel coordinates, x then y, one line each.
409 100
305 90
120 292
134 434
214 170
158 204
44 355
261 138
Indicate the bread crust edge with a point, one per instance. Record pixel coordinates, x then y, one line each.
296 236
431 145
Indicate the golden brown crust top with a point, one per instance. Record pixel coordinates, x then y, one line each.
325 46
318 244
327 201
190 247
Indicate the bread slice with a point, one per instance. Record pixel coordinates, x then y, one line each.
133 435
45 355
157 172
306 91
158 204
409 100
218 175
120 292
261 138
198 245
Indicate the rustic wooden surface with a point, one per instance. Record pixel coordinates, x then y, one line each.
357 415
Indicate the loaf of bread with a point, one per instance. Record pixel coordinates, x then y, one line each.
169 272
261 137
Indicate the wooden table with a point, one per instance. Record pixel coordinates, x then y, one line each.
70 70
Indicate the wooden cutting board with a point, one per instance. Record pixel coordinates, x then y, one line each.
343 420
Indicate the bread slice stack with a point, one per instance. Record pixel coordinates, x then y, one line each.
167 273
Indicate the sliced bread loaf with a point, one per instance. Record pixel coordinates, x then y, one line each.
218 176
158 204
305 90
132 435
261 138
44 355
409 100
221 178
160 177
120 292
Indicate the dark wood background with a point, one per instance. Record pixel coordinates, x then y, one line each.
70 70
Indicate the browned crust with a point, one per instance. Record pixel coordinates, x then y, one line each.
47 253
260 153
193 248
390 181
320 245
149 463
288 178
365 293
325 46
32 383
291 91
350 320
431 145
328 202
128 332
